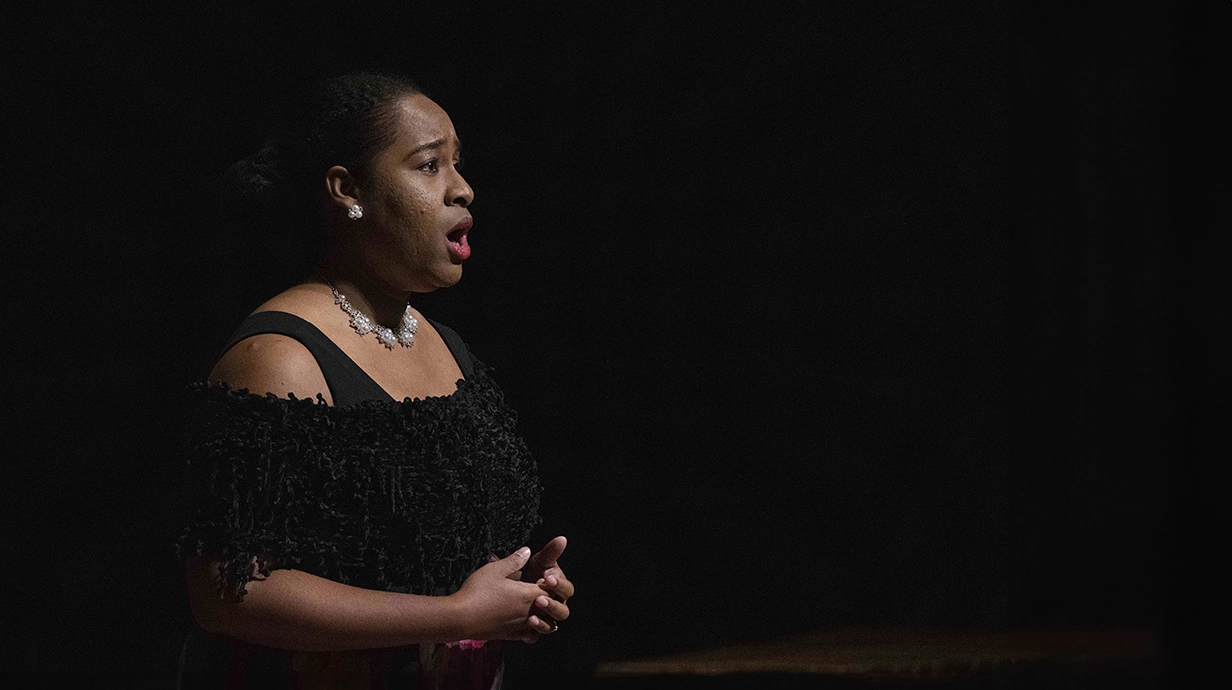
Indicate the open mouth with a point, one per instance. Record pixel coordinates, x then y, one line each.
458 246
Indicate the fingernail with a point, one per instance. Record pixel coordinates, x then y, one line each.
541 602
524 552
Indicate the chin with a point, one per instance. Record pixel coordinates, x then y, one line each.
441 279
451 278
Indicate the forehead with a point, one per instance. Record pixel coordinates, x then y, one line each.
420 120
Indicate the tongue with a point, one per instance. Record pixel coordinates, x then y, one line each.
460 247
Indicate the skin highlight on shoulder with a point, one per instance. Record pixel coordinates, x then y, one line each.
272 363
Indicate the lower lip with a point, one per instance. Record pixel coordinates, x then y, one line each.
460 250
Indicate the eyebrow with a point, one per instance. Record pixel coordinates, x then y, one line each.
436 144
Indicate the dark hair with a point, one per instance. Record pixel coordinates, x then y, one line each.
276 192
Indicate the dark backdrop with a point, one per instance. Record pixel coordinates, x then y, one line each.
815 314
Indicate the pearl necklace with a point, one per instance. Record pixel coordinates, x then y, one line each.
364 325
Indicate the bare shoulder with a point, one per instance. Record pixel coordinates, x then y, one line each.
302 300
272 363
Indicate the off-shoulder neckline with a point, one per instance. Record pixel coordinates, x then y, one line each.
334 350
462 386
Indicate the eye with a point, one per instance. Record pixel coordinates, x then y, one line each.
430 166
457 165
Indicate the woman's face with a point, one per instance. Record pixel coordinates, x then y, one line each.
415 202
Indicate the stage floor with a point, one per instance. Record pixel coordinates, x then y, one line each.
907 658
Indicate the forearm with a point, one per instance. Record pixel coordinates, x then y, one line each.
295 610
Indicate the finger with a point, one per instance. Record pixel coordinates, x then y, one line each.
560 586
550 589
546 557
513 562
539 625
529 637
515 576
555 610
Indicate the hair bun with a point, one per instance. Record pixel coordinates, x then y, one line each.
251 176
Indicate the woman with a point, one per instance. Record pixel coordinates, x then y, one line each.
339 537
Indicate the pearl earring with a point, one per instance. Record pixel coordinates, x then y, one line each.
355 212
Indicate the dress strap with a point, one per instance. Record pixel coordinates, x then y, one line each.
461 354
348 383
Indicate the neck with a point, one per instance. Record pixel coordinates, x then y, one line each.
380 302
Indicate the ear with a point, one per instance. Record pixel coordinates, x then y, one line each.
341 186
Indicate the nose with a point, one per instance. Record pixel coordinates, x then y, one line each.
460 193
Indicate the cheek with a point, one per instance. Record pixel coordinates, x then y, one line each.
397 193
411 203
410 223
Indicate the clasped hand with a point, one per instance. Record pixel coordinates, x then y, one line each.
520 597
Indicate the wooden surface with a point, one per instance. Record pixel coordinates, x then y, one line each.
907 654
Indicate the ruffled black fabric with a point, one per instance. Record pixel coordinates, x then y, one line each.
407 496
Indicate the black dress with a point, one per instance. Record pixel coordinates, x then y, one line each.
408 496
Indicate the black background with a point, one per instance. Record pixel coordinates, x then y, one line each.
815 314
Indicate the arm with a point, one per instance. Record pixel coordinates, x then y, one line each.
291 609
295 610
